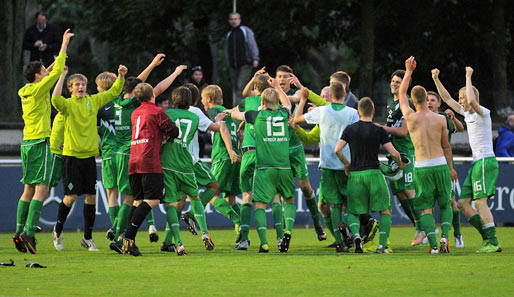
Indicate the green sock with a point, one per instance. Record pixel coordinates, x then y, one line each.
456 223
115 223
476 221
168 236
33 216
122 219
328 223
246 218
260 224
113 213
384 228
445 217
428 225
172 220
198 210
226 209
206 196
21 215
406 205
150 220
490 231
335 217
278 218
354 222
416 214
310 200
237 208
344 220
290 216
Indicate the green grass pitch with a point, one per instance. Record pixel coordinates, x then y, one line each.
307 269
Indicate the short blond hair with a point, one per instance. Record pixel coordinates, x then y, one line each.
74 77
418 94
105 80
214 92
143 92
475 90
270 97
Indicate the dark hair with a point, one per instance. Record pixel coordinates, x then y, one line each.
181 98
366 106
196 68
399 72
160 99
41 12
130 83
337 90
342 77
195 93
284 68
30 70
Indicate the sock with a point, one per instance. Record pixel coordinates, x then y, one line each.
21 215
246 218
206 196
364 220
260 224
150 219
384 228
456 223
335 217
476 221
172 220
113 213
310 200
407 209
428 225
198 210
344 220
62 215
278 218
168 237
490 231
139 215
290 216
416 214
226 209
33 216
445 217
328 223
131 213
115 223
236 208
123 220
89 220
354 226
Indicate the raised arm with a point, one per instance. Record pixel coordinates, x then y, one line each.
103 98
447 150
298 116
248 90
166 83
284 100
470 95
58 87
157 60
410 65
445 95
316 99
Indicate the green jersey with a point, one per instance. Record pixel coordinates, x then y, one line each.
249 103
395 119
294 141
175 154
219 151
271 137
123 108
106 130
449 125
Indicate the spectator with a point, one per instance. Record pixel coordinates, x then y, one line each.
505 141
197 78
242 53
41 40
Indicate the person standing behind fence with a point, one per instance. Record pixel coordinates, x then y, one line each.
242 54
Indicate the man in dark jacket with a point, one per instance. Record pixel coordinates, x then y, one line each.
41 40
505 141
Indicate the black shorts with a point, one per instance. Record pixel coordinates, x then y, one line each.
79 175
147 186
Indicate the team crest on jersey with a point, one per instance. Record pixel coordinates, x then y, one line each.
88 105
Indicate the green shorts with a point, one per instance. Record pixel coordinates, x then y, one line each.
247 170
176 183
298 163
433 183
122 168
481 179
270 181
367 191
36 161
203 174
227 175
333 183
321 198
407 182
109 173
56 170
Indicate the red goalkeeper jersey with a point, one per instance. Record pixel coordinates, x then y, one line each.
150 124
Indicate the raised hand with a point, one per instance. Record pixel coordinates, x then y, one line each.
469 71
67 36
273 82
260 71
65 70
435 74
157 60
410 64
122 70
450 113
304 94
180 68
295 81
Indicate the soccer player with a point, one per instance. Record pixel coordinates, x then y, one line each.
80 148
332 120
35 152
367 188
150 124
434 167
477 186
454 126
273 173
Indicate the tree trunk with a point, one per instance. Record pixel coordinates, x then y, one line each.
367 36
12 29
498 56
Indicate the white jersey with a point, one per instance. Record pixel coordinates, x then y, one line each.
203 125
331 125
480 133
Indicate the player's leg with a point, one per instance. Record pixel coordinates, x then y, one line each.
332 196
265 182
457 234
443 182
286 189
227 177
359 199
171 198
109 180
123 183
277 212
426 189
246 173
